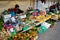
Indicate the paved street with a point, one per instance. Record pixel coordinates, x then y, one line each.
51 34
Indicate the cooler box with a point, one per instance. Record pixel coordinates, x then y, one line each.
7 16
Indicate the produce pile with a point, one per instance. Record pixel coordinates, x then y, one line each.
28 35
24 26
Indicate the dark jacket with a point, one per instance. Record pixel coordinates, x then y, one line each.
58 6
18 11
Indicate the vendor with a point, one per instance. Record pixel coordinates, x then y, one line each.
57 5
43 1
41 5
16 9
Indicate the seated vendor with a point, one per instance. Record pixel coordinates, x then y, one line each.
16 9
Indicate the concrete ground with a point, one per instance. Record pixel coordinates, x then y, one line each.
51 34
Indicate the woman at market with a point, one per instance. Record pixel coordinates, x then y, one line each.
16 9
41 5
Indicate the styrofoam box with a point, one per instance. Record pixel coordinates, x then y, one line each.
7 16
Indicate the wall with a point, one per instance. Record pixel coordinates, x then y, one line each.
9 4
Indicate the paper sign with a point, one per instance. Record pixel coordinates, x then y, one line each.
45 24
13 19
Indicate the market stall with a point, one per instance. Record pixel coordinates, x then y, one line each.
27 25
24 24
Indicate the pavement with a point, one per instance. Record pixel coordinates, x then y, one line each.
51 34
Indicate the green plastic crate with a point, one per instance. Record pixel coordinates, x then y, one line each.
25 27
